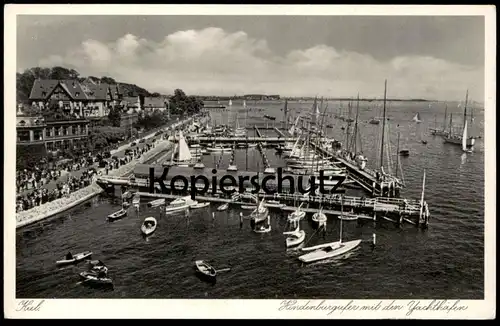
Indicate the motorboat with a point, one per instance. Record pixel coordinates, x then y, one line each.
73 259
157 202
201 205
180 204
117 215
148 226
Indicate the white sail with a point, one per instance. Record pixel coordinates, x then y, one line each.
230 102
317 113
244 103
292 129
416 118
184 152
464 137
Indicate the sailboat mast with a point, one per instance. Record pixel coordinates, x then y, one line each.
341 215
397 153
451 124
356 126
383 127
445 113
422 198
465 106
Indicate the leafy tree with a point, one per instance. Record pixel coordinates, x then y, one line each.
114 116
156 94
108 80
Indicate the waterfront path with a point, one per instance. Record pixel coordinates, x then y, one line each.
60 205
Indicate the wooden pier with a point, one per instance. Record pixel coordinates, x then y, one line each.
370 209
231 140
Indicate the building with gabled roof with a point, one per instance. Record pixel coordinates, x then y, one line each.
88 98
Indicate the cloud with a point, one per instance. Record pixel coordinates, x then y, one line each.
213 61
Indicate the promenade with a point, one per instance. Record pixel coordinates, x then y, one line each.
60 205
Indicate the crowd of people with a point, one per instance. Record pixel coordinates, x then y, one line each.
31 185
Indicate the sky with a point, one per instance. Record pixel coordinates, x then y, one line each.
431 57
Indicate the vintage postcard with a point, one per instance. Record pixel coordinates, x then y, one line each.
271 162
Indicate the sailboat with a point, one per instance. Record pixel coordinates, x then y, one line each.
416 118
441 132
296 237
453 138
184 156
329 250
464 140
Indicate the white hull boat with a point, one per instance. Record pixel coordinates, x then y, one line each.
180 204
223 207
75 258
157 202
295 239
201 205
117 215
332 250
262 229
148 226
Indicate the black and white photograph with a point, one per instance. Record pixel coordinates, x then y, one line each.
330 161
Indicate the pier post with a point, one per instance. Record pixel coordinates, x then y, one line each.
241 220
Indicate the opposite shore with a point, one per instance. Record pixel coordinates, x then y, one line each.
60 205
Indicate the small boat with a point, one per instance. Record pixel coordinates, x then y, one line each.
201 205
136 201
117 215
97 278
127 195
331 250
148 226
180 204
348 217
295 237
424 142
157 202
260 213
319 217
416 118
252 145
205 270
404 152
374 121
262 229
232 167
248 206
223 207
199 165
73 259
269 117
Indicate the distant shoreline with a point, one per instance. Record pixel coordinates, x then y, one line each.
210 99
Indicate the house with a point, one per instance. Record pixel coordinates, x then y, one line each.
155 103
71 133
131 102
87 98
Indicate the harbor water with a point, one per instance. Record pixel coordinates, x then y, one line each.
444 261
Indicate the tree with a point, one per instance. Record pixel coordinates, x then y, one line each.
108 80
181 103
114 116
155 94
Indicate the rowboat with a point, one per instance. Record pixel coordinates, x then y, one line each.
200 205
205 270
74 258
157 202
332 250
127 195
148 226
117 215
223 207
248 206
95 278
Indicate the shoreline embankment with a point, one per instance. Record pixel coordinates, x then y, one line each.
80 196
